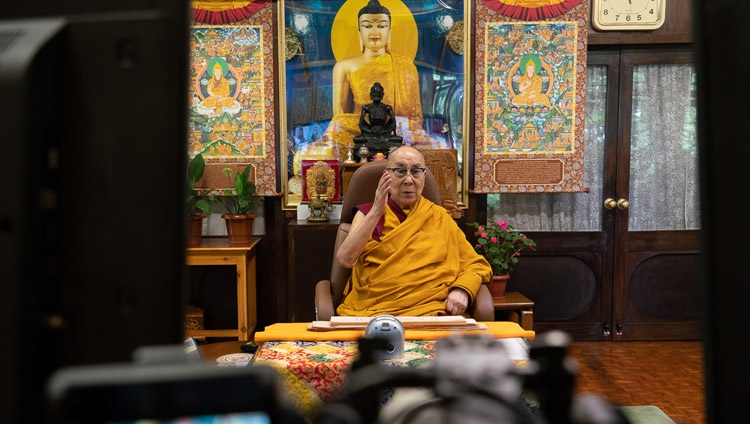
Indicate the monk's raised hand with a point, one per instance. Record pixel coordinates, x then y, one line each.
457 302
381 193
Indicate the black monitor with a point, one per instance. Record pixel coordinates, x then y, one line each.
93 116
168 393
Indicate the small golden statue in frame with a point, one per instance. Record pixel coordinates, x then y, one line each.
321 188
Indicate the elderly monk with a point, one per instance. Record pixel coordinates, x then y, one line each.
408 256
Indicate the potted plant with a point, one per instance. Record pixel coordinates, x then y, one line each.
240 204
198 205
501 245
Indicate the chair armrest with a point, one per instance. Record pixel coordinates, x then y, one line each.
483 307
323 301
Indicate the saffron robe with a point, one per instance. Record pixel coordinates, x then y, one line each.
533 94
414 264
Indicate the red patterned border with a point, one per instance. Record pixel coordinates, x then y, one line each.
226 12
531 13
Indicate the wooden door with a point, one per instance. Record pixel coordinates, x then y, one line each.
656 257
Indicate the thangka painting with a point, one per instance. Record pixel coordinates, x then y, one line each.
231 101
529 134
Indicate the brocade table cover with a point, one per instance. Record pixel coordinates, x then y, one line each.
314 372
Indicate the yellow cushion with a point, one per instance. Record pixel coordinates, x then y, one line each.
297 331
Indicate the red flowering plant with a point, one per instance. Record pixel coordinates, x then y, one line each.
500 244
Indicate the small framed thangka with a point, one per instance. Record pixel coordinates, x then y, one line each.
321 178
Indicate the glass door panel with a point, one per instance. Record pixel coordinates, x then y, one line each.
663 149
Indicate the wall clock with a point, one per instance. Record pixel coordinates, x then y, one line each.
627 15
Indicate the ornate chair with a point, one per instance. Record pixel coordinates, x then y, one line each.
364 181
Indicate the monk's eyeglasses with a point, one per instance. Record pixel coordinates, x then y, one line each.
401 172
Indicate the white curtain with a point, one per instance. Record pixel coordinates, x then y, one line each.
663 150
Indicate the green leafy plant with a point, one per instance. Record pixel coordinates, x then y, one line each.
242 199
500 244
197 203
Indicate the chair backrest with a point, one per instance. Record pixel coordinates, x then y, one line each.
361 189
364 181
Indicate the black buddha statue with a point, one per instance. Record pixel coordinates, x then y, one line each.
378 125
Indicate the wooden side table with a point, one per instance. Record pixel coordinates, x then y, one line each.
521 309
217 251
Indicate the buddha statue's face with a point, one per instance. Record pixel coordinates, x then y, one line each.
374 30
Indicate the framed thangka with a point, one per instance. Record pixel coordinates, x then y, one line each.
530 92
231 100
331 58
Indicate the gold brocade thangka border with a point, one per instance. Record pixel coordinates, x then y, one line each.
530 91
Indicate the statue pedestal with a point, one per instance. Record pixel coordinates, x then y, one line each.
377 145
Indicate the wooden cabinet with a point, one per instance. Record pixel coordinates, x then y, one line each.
309 261
347 170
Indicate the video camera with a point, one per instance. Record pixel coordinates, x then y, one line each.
472 380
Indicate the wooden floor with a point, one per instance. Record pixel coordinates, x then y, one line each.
664 374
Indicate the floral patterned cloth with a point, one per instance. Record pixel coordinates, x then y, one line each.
314 372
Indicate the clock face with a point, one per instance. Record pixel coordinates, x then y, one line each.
608 15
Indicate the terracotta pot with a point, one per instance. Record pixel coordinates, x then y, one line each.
195 229
497 285
239 228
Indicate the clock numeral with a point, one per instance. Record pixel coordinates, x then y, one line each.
638 14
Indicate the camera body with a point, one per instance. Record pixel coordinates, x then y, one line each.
471 381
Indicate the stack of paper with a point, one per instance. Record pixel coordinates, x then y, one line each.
448 322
